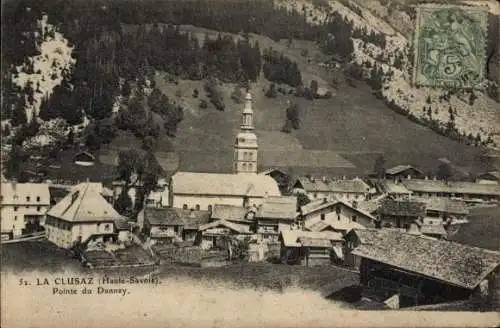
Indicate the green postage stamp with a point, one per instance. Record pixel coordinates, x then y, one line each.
449 46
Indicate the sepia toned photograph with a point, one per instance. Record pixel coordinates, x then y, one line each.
250 163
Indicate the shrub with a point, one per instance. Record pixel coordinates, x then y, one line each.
203 104
195 93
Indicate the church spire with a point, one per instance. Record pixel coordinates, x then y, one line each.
247 118
245 146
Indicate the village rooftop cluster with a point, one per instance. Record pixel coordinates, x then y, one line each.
393 229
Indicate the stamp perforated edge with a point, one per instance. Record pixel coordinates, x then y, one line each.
477 7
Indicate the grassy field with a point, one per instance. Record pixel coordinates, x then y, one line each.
271 276
44 256
483 229
354 124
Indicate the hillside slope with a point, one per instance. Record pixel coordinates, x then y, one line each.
470 117
341 135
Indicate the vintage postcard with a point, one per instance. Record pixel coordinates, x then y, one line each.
250 163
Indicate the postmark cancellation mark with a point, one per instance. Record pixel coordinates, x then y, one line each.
449 46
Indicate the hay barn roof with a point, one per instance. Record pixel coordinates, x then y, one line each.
446 261
402 208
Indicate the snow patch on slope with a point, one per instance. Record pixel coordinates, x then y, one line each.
49 66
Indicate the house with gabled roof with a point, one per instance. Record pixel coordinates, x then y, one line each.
346 189
422 270
401 172
274 212
81 214
400 213
310 248
337 215
216 231
467 191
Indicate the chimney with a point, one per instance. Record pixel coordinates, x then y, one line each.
408 177
434 178
344 177
324 179
426 178
311 178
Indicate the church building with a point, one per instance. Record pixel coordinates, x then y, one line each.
244 187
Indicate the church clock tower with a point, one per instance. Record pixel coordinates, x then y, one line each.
245 146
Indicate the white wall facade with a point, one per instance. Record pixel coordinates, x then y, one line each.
204 201
64 233
14 217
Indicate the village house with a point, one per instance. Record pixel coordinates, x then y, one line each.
467 191
402 172
337 215
348 190
311 248
394 189
275 214
281 178
84 159
492 177
445 209
192 221
23 207
215 233
430 227
162 225
158 197
82 214
418 270
400 213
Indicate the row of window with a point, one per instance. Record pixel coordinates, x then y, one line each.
346 195
196 207
38 208
28 198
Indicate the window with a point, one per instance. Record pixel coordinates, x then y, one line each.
184 207
315 195
15 208
250 156
28 198
15 218
244 166
210 208
37 198
323 216
250 167
354 218
16 197
106 227
197 207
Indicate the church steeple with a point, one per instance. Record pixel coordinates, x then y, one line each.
247 117
245 146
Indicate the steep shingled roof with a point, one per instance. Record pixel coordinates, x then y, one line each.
84 203
228 212
457 187
162 216
291 238
282 207
450 262
401 168
402 208
251 185
344 186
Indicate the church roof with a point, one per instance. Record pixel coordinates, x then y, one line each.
84 203
251 185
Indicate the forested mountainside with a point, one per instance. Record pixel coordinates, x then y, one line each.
382 37
79 73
